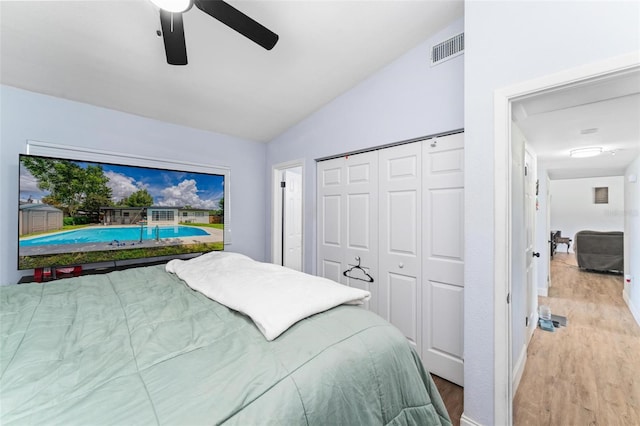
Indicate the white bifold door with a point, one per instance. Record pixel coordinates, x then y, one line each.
348 221
399 212
443 257
400 235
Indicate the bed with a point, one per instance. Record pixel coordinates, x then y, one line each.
140 346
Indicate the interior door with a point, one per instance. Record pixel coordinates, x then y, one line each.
293 218
530 237
443 261
348 220
548 228
400 238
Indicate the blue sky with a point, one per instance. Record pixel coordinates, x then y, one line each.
168 188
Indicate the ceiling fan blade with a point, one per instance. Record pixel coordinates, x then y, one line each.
173 35
238 21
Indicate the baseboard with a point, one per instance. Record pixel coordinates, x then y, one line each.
634 310
518 369
543 291
466 421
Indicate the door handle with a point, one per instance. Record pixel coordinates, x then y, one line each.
535 254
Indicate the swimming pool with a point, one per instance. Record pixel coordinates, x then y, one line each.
108 234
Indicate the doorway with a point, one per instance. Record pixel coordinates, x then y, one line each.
287 215
503 214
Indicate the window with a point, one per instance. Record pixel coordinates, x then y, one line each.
164 215
601 195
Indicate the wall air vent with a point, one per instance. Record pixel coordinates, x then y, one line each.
447 49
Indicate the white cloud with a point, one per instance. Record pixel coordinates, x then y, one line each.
27 181
29 187
186 194
121 186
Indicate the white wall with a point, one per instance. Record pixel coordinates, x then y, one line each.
573 209
406 99
632 237
30 116
508 42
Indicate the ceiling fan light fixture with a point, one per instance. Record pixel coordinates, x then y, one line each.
585 152
173 6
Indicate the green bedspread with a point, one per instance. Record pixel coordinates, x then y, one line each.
139 347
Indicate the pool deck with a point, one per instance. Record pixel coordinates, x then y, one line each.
215 236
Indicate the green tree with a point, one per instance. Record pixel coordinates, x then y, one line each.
140 198
71 187
97 193
221 206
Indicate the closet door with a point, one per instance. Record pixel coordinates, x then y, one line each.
348 220
443 262
400 238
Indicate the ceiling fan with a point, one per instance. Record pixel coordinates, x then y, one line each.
173 30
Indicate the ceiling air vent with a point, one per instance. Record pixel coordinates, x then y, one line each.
447 49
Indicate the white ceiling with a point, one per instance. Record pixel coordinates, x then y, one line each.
107 53
601 113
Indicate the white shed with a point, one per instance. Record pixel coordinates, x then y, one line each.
36 217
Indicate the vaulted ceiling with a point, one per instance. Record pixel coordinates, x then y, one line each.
108 53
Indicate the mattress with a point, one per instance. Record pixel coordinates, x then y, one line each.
140 347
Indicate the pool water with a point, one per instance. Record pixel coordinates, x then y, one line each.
109 234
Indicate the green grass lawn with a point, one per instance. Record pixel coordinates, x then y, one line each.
66 259
205 225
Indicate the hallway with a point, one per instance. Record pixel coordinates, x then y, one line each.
586 373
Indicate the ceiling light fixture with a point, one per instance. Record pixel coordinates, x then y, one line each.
585 152
174 6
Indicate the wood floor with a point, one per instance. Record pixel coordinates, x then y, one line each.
452 396
589 372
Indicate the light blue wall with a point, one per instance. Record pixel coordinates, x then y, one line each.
509 42
29 116
406 99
